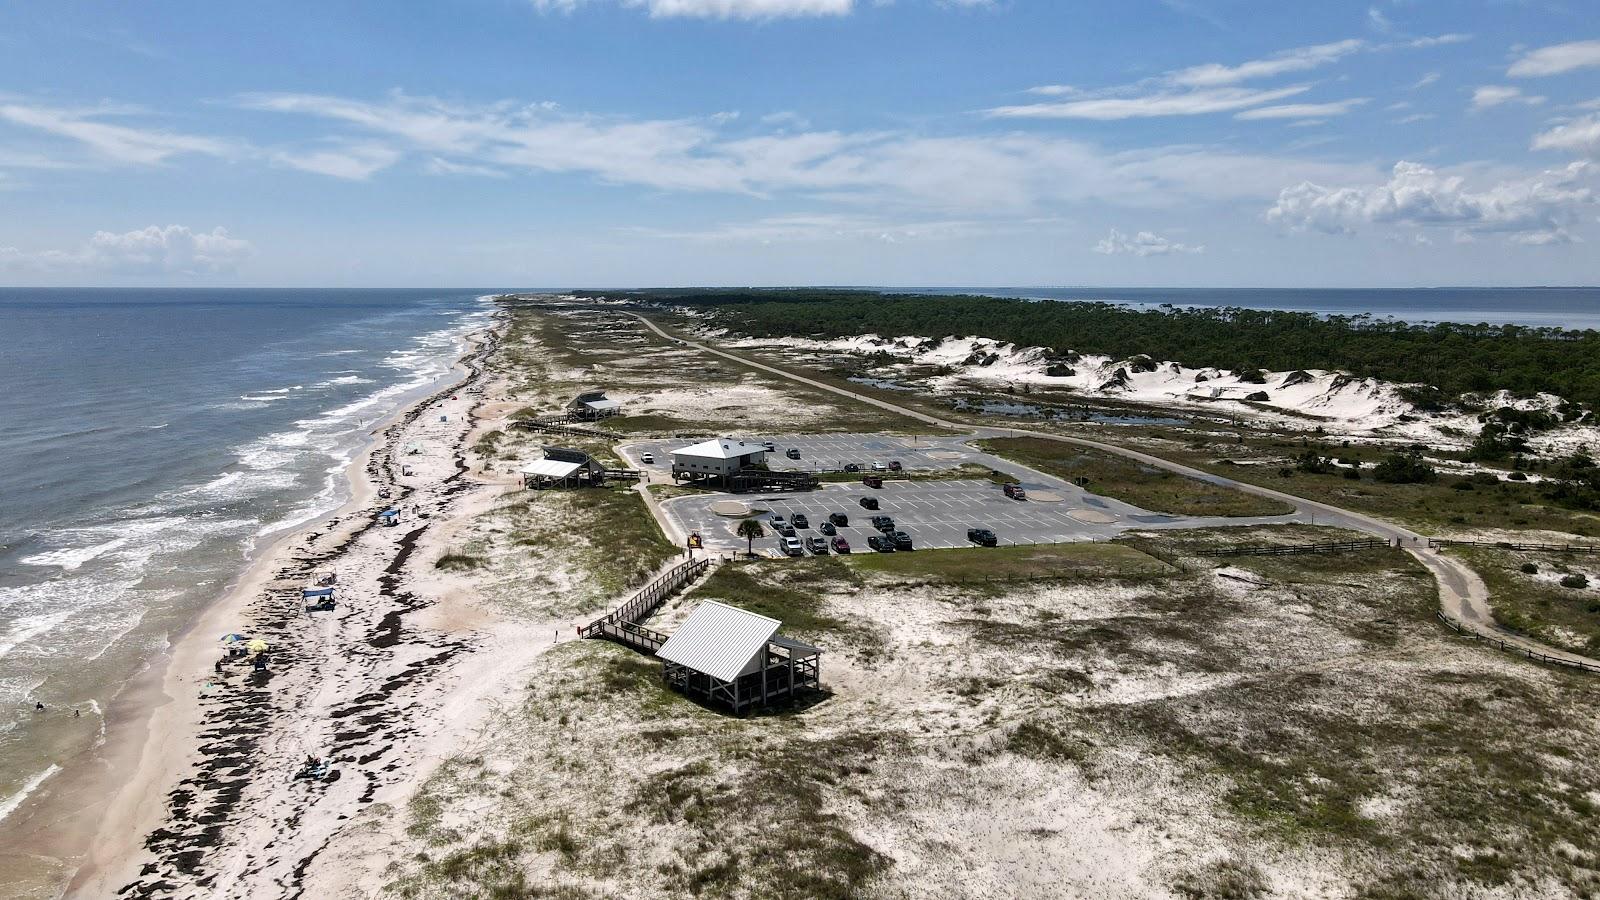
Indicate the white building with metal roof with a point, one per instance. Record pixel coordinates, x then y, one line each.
729 655
717 458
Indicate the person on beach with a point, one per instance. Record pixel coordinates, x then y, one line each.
38 706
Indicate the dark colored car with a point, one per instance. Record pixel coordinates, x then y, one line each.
839 519
852 467
828 529
894 465
983 537
817 546
881 543
800 521
840 545
1015 492
883 524
792 453
869 502
785 529
902 541
872 481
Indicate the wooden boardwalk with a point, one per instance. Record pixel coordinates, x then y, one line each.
622 625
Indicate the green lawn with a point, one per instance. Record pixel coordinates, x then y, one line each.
1133 482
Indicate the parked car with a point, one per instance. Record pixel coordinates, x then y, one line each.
817 546
776 520
840 545
881 543
872 481
894 466
852 467
879 467
828 529
769 446
1015 492
800 521
785 529
648 459
839 519
792 453
902 541
791 546
983 537
869 502
883 523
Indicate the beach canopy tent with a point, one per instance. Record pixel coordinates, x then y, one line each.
390 516
310 593
728 655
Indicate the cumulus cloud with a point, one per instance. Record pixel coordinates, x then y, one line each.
1556 59
1144 243
1580 137
1531 210
156 250
718 9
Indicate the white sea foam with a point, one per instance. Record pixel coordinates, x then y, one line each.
15 800
29 627
70 558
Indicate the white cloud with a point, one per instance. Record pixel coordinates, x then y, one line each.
1299 59
1580 137
1534 209
1491 95
718 9
989 173
356 162
1302 110
156 250
1556 59
1424 81
1145 243
1167 103
112 142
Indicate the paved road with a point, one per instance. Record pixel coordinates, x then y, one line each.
1462 594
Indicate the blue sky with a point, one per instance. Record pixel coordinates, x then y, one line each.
933 142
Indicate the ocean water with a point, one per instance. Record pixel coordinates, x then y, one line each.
149 440
1554 307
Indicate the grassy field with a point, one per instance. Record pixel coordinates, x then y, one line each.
1133 482
1535 603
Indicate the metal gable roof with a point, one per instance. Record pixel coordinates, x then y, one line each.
721 448
550 468
719 640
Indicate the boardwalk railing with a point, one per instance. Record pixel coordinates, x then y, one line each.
559 426
1437 543
1299 549
1517 649
623 474
623 626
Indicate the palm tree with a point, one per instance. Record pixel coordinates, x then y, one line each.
750 529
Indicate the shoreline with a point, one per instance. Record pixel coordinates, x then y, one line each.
92 816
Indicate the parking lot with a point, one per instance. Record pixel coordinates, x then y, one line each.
830 452
936 514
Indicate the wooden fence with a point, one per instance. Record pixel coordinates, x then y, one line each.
1438 543
1506 646
622 624
1301 549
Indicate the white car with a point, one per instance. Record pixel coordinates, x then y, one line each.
648 459
792 546
880 467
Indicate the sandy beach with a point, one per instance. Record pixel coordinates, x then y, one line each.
200 746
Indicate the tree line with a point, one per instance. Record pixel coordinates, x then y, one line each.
1451 358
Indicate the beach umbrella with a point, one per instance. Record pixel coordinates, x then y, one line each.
233 638
256 646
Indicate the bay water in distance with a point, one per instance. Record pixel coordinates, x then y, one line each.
149 440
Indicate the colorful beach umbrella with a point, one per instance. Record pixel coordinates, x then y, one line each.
233 638
256 646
